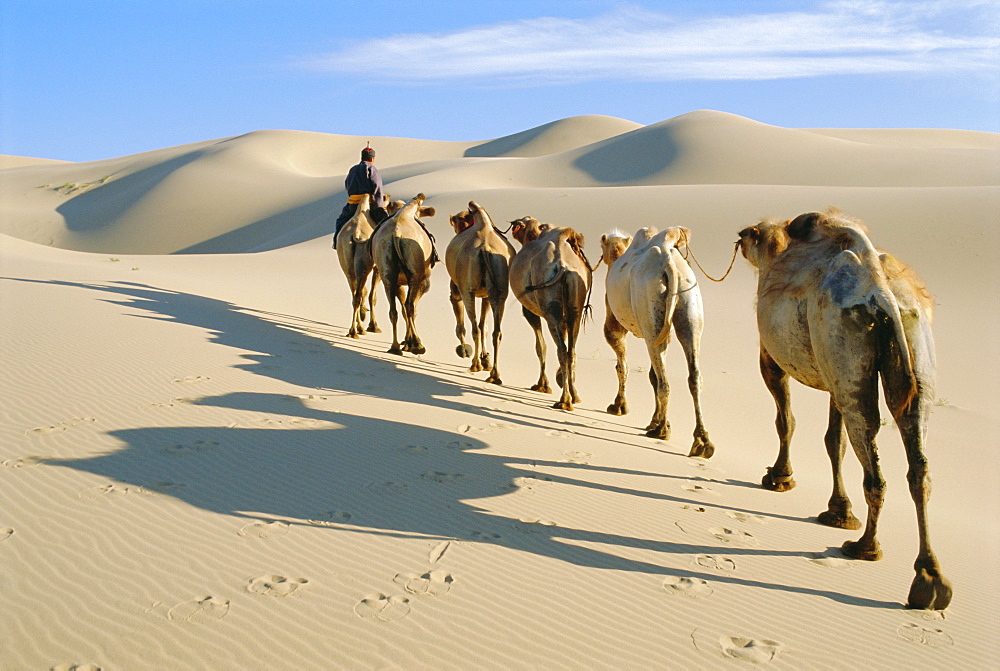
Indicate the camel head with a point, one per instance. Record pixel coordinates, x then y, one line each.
764 241
613 244
394 206
527 229
461 221
417 208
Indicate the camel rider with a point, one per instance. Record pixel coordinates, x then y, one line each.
365 178
361 179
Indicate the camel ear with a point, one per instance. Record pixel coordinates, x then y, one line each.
426 212
803 226
604 239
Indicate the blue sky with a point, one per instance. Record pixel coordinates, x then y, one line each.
95 79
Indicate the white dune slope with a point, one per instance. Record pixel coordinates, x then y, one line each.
198 469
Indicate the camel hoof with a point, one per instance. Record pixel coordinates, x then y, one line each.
541 388
395 349
702 448
484 361
563 405
929 591
494 378
464 351
839 519
372 328
660 433
352 334
618 409
777 483
475 367
855 550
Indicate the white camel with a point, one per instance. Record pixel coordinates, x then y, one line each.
650 289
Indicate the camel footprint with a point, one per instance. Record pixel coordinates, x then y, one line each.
829 561
695 488
716 562
191 378
749 649
382 607
438 476
199 610
929 636
734 536
275 585
432 583
28 461
264 529
104 492
692 587
332 518
70 666
386 488
61 426
192 447
746 518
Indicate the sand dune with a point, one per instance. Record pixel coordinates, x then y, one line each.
199 470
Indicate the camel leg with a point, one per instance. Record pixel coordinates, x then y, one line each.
463 349
497 305
484 355
861 416
393 293
469 301
558 330
572 333
614 335
372 298
688 327
536 325
779 477
357 301
414 293
838 513
658 427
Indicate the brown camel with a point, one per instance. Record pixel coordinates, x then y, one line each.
357 263
650 291
402 251
551 277
837 315
478 261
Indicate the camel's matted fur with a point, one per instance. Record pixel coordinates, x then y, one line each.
651 289
402 252
837 315
551 278
478 261
356 261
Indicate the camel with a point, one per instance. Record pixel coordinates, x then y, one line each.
551 278
478 261
357 263
836 315
650 289
402 250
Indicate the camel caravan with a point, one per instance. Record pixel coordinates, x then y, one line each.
833 313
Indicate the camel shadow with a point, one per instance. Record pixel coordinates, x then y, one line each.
313 459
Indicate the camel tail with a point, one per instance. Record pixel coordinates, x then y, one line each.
895 359
672 282
552 281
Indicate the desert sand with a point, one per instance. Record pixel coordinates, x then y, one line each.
201 471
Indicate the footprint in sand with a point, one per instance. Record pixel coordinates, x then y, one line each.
577 457
485 537
264 529
192 447
107 492
695 488
929 636
438 476
829 561
275 585
716 562
61 426
746 518
191 378
5 533
531 483
692 587
331 518
382 607
749 649
199 610
70 666
386 488
459 445
432 583
559 433
734 536
533 525
413 449
160 487
27 462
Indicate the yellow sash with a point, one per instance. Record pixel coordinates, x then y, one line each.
356 198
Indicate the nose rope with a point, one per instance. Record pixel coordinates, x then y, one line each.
687 245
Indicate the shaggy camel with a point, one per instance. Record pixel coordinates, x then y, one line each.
478 261
836 315
649 289
402 251
551 278
357 263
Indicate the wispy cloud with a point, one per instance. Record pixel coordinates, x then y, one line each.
634 44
